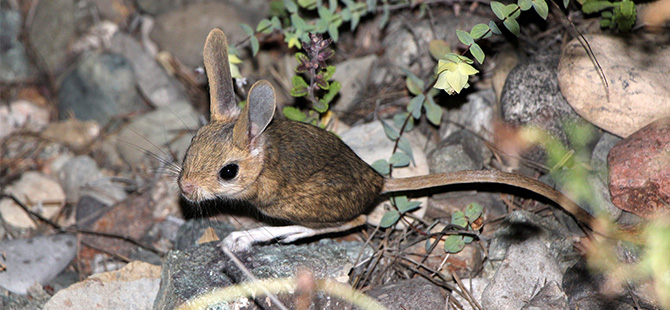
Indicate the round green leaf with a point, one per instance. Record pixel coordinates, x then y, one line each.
381 166
406 147
473 211
476 51
390 132
247 29
415 104
389 219
433 111
294 114
264 26
525 4
254 45
541 8
468 239
494 28
409 206
453 244
512 25
458 219
479 30
498 9
399 159
464 37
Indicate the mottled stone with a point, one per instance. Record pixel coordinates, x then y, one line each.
640 171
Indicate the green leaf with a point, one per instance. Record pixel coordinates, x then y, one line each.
308 4
512 10
494 28
596 6
512 25
415 104
333 32
355 19
328 73
458 219
247 29
399 159
525 4
386 13
607 14
406 147
276 23
453 244
299 86
382 166
399 120
476 51
473 211
468 239
414 84
389 219
464 37
290 6
254 45
498 9
541 8
566 3
264 26
438 49
433 111
390 132
479 31
404 205
299 23
627 8
325 14
294 114
334 88
605 23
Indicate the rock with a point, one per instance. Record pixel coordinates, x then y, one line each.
520 226
116 11
176 32
407 47
51 45
459 151
22 115
526 265
35 299
475 286
600 152
550 297
38 192
370 143
72 132
36 260
637 76
80 176
640 171
354 75
475 115
204 268
132 287
154 83
133 217
410 294
193 230
14 64
159 133
101 87
531 97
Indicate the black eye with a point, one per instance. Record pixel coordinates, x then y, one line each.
228 171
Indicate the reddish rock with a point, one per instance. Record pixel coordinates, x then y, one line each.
639 168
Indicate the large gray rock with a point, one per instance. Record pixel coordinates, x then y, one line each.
14 64
36 260
100 88
53 29
183 32
526 265
636 69
201 269
411 294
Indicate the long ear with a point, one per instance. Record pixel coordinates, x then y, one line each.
256 114
222 104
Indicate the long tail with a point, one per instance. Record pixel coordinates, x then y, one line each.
492 176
